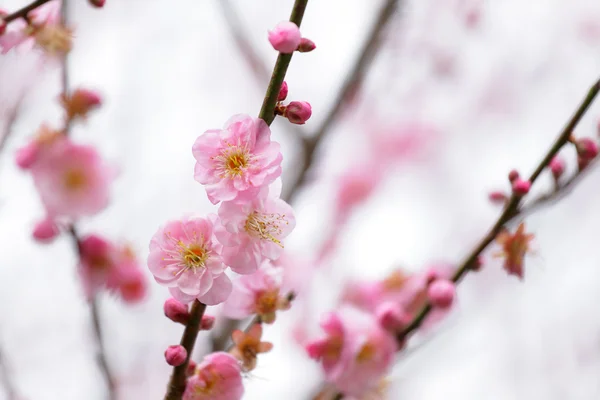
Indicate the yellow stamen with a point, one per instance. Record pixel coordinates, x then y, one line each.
265 226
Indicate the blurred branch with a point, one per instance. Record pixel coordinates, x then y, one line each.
511 210
11 120
9 387
22 13
350 88
176 386
93 302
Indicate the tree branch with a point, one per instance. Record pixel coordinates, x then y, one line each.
22 13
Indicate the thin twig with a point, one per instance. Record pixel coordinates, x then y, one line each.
8 127
511 210
351 86
22 13
9 387
176 386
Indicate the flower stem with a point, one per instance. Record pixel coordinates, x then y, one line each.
176 385
22 13
267 111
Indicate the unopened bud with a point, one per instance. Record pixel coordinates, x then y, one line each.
46 230
586 148
97 3
557 166
298 112
497 197
306 45
513 175
283 92
175 355
521 187
441 293
176 311
207 322
285 37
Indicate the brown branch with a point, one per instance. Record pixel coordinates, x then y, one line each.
177 382
511 210
351 86
22 13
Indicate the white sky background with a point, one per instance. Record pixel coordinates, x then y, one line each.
168 71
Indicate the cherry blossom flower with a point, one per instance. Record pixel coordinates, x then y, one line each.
514 248
247 346
71 179
255 230
355 352
217 377
186 257
235 162
259 293
285 37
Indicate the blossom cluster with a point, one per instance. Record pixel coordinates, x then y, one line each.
72 181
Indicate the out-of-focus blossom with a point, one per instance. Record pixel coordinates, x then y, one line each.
186 257
514 248
247 346
355 352
217 377
235 162
259 293
79 103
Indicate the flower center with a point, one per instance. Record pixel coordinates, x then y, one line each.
74 179
366 353
266 301
233 161
333 348
193 255
210 377
265 226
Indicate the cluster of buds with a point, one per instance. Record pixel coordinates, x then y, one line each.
297 112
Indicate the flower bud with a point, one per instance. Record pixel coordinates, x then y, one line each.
175 355
557 167
391 317
97 3
521 187
497 197
298 112
283 92
306 45
586 148
176 311
207 322
441 293
513 175
285 37
45 230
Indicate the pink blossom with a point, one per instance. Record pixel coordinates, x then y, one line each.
401 142
259 293
218 377
175 355
255 230
176 311
521 187
186 257
356 185
21 34
235 162
355 352
72 180
285 37
104 264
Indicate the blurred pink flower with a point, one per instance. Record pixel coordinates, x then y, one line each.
355 353
259 293
217 377
186 257
285 37
356 185
235 162
72 180
255 230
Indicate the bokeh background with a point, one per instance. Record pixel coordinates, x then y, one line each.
494 92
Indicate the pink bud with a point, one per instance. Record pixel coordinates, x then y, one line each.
45 230
586 148
285 37
283 92
391 317
176 311
441 293
298 112
207 322
191 368
97 3
557 166
306 45
93 248
175 355
27 155
513 175
521 187
497 197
